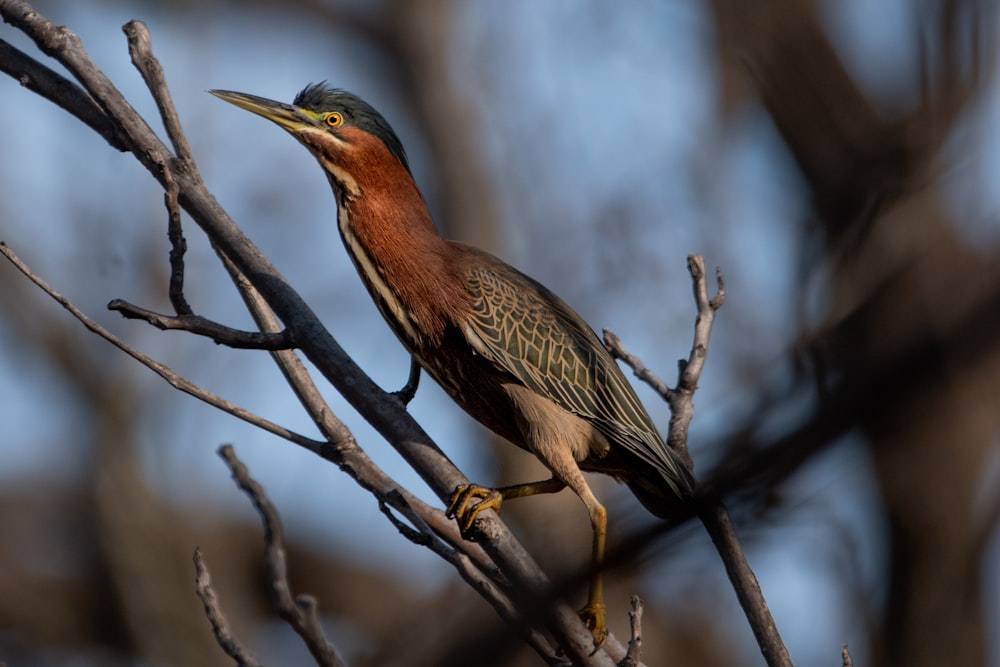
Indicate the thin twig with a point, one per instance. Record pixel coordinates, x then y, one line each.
720 528
409 390
220 626
300 613
715 516
617 349
178 247
631 658
175 380
196 324
712 512
141 50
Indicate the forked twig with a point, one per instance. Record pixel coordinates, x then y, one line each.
299 611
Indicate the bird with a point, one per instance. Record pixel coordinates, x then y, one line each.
506 349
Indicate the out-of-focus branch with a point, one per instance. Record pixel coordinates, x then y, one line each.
631 658
213 612
300 612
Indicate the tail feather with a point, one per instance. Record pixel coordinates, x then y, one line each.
658 497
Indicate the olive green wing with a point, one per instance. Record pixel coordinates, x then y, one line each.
535 336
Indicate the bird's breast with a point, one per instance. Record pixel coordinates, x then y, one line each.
386 297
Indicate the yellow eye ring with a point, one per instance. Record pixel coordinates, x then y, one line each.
334 119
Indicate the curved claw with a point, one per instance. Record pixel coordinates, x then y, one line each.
593 617
464 513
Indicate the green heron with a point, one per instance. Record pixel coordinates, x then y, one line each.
510 352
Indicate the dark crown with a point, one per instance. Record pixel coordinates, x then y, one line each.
356 112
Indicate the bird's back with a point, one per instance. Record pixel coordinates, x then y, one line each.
518 331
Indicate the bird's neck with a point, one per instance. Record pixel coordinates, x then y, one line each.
402 260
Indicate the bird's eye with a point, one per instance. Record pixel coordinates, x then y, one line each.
334 119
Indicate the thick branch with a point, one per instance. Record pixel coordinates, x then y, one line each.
59 90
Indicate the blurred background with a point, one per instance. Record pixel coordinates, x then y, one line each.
836 159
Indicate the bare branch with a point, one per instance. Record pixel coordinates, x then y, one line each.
300 613
715 516
178 247
631 658
219 333
711 511
617 349
220 626
141 51
162 370
720 529
59 90
845 657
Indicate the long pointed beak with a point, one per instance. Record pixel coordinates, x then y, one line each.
286 115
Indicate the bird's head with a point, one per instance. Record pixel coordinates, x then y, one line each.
338 127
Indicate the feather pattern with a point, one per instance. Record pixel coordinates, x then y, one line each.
531 333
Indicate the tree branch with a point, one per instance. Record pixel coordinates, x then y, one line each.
175 380
631 658
711 510
299 612
220 626
59 90
219 333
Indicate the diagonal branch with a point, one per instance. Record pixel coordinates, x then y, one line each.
175 380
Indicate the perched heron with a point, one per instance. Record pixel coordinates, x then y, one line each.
510 352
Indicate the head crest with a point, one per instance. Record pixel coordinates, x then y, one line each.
356 112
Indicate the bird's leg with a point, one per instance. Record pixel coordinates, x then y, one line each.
487 498
592 614
464 510
409 390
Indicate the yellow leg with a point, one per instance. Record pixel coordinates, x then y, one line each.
465 511
592 614
487 498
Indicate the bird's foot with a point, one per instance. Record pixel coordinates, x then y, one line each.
465 514
593 617
409 390
405 395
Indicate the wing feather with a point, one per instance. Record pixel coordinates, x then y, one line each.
532 334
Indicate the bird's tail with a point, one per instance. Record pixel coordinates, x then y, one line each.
658 496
